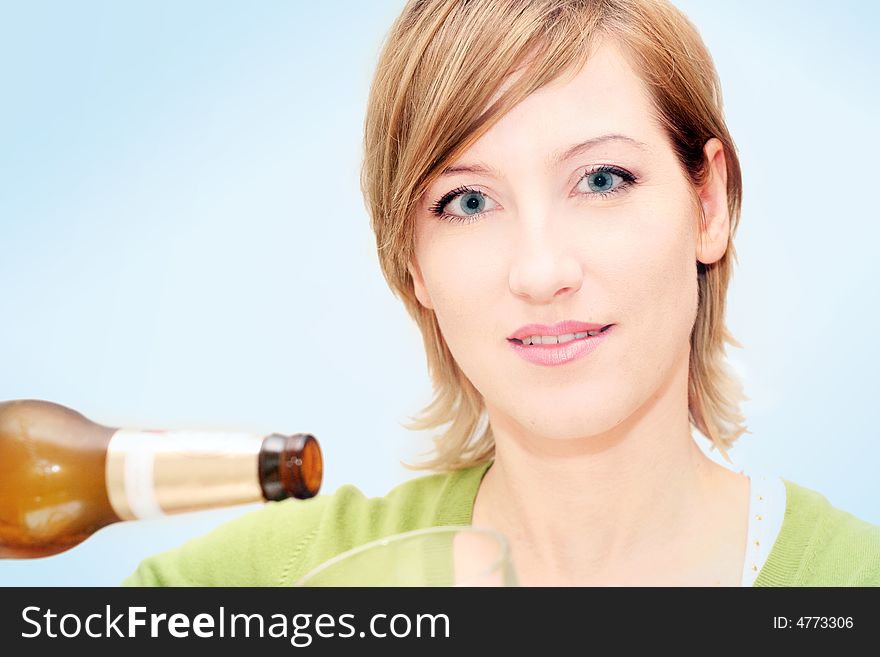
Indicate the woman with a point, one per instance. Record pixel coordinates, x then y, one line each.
554 193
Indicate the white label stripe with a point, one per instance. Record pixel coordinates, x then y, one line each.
140 489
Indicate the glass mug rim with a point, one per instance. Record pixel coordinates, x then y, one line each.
499 562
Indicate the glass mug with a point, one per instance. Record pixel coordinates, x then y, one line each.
451 555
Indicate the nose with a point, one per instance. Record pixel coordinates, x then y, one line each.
544 264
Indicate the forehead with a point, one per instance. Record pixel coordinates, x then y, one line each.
605 96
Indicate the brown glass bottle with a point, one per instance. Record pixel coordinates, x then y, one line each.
63 477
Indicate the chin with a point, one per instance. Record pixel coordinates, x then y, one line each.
568 421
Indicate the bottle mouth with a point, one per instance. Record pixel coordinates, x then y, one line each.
290 466
312 464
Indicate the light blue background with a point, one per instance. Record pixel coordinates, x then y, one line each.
184 244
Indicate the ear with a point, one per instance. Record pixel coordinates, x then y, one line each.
419 285
714 232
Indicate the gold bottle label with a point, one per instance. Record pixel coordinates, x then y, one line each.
151 473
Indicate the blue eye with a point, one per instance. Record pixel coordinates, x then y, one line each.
600 181
606 180
472 202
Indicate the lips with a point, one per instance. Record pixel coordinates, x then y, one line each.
580 335
560 354
568 326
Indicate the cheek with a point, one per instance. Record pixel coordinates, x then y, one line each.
661 288
666 271
460 277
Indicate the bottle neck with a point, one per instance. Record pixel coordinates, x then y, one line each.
153 473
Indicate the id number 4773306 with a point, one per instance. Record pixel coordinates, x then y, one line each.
813 622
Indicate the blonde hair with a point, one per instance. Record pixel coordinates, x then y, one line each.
442 63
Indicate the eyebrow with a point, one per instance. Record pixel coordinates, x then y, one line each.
555 159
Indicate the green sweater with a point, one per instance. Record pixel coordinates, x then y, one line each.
817 545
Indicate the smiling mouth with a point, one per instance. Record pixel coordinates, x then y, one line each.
572 338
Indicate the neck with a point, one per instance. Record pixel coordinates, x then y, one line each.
606 505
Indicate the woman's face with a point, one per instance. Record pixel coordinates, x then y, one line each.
607 234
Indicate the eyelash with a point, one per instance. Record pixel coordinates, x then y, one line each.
443 201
